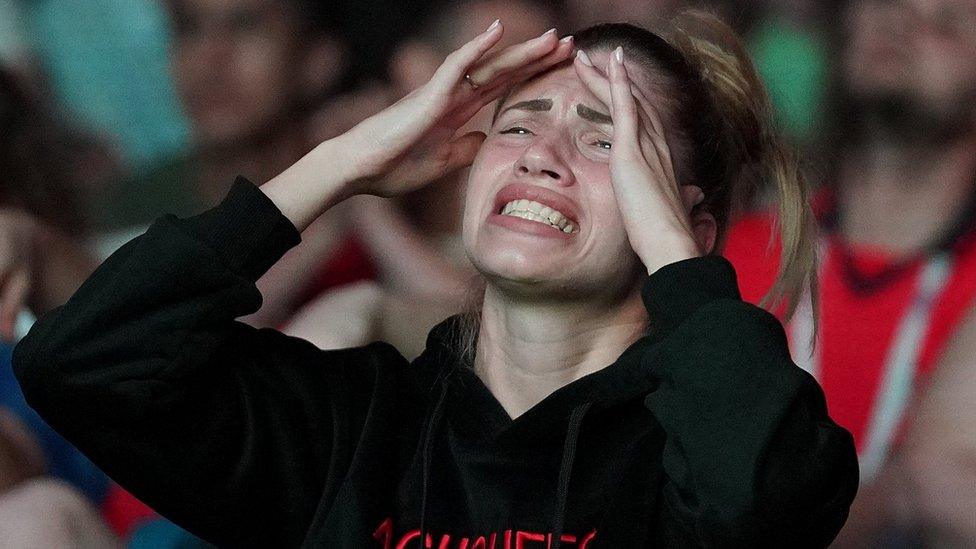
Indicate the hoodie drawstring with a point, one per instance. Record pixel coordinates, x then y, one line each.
565 470
435 418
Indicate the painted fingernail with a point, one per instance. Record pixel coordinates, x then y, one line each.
618 54
566 39
548 32
585 59
494 25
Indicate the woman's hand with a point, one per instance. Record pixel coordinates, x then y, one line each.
656 211
413 141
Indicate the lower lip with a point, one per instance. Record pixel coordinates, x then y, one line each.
520 225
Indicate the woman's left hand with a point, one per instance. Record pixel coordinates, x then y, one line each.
655 210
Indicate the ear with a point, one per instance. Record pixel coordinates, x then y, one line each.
706 231
323 64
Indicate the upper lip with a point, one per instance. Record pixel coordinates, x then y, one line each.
542 195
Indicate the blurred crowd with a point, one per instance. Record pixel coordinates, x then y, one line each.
114 112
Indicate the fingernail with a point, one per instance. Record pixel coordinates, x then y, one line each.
618 54
493 26
585 59
566 39
550 31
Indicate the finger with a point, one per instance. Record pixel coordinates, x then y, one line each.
456 65
623 105
654 130
12 299
599 84
505 82
513 57
562 51
659 137
592 78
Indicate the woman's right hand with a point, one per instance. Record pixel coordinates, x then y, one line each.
413 141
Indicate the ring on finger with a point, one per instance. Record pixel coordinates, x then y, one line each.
470 81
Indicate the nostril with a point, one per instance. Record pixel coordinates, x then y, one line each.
523 169
551 174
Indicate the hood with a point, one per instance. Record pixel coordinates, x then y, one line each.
544 436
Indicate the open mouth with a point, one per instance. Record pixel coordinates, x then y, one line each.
540 213
557 212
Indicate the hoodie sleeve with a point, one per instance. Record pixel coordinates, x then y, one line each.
751 459
233 432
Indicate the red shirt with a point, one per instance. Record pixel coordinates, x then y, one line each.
866 297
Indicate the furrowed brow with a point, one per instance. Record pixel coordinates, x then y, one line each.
535 105
587 113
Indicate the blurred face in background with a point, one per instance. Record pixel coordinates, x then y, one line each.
918 55
236 65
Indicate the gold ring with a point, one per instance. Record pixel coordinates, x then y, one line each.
470 81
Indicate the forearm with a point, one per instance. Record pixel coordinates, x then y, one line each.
318 181
748 431
939 474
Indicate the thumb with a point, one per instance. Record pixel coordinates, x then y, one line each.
464 149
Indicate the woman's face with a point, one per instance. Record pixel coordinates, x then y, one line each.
546 158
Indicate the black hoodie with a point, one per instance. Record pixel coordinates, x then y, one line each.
703 433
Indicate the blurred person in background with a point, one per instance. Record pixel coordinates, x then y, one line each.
896 348
246 70
48 490
248 73
44 165
422 274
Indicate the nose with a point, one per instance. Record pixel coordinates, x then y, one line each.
542 160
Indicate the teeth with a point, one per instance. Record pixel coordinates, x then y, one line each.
534 211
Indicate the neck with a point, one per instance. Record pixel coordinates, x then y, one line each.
528 350
257 158
902 197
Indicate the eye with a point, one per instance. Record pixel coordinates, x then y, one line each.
603 144
517 130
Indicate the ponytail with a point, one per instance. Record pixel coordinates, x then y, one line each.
753 146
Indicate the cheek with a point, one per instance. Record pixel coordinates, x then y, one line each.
484 176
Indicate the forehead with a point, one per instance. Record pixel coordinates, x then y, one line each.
563 81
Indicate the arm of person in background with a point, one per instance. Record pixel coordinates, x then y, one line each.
407 264
938 458
287 281
40 266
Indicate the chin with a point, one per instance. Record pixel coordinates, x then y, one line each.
518 266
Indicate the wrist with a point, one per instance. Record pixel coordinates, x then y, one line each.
312 185
661 255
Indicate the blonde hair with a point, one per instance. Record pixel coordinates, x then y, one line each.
737 93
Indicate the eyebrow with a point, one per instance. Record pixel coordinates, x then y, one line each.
539 105
531 105
587 113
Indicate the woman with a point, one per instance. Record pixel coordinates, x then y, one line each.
701 433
